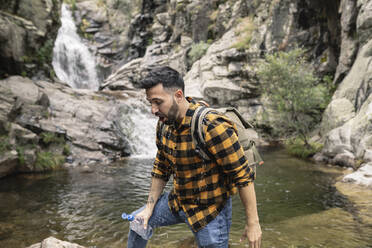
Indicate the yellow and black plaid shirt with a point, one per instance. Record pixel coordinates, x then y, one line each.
201 188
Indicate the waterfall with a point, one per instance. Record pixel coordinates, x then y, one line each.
138 126
72 61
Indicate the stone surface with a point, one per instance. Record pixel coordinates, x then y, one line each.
8 164
90 122
346 124
26 29
52 242
362 176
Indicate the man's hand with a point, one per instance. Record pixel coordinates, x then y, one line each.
144 216
253 233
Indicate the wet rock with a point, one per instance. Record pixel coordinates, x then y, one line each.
52 242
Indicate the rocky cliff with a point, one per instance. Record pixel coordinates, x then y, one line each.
216 45
28 29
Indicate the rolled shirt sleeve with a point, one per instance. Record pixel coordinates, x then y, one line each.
222 142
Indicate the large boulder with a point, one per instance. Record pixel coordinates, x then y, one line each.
347 121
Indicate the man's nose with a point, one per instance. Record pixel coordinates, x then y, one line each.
154 109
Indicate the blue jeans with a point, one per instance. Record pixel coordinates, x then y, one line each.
214 235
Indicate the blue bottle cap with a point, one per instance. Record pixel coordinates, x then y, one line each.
127 216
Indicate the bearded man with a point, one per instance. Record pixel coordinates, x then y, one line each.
202 190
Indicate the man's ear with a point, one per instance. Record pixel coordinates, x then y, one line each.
178 95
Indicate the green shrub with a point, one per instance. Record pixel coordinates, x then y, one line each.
296 96
197 51
45 53
297 148
48 161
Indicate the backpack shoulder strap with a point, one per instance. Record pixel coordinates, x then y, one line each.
197 134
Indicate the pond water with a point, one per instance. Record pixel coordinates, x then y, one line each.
298 207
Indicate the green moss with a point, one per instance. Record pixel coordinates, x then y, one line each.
48 161
297 148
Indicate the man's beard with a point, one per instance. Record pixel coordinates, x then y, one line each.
172 114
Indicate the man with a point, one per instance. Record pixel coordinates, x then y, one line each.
202 190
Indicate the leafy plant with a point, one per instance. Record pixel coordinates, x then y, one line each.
295 94
197 51
48 138
45 53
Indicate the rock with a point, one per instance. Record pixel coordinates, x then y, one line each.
86 169
8 164
320 158
338 112
52 242
23 88
364 21
22 135
84 118
362 176
345 159
368 155
28 163
349 114
349 45
25 30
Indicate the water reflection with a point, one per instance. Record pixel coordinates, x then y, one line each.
298 207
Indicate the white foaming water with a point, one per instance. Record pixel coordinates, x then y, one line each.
72 61
138 126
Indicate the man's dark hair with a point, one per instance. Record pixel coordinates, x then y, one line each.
168 77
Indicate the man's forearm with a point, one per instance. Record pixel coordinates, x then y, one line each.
248 198
157 186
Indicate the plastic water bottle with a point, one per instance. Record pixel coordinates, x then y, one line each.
137 226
